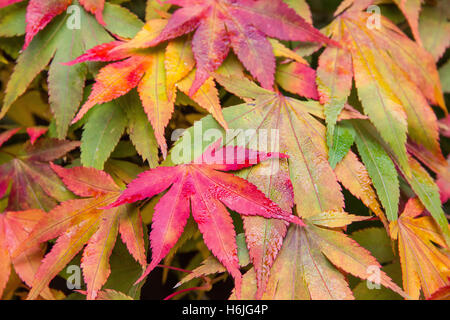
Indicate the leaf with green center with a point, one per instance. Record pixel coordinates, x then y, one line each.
383 63
109 294
303 270
428 192
139 129
61 43
12 20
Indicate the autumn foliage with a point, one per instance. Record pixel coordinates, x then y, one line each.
285 149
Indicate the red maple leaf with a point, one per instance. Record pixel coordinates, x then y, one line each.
203 186
240 24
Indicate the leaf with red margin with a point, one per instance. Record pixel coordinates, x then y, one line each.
33 183
155 72
82 221
95 7
41 12
208 190
14 229
243 25
55 44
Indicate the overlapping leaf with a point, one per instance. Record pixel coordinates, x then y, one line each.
434 27
303 270
59 42
203 186
384 168
409 8
82 221
155 72
28 177
286 125
242 25
40 13
424 266
14 229
395 79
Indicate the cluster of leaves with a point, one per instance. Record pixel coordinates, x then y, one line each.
357 179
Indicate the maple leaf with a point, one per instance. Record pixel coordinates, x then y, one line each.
57 43
303 270
384 168
302 137
203 186
81 221
431 31
423 264
14 229
382 61
242 25
40 13
33 183
409 8
155 72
